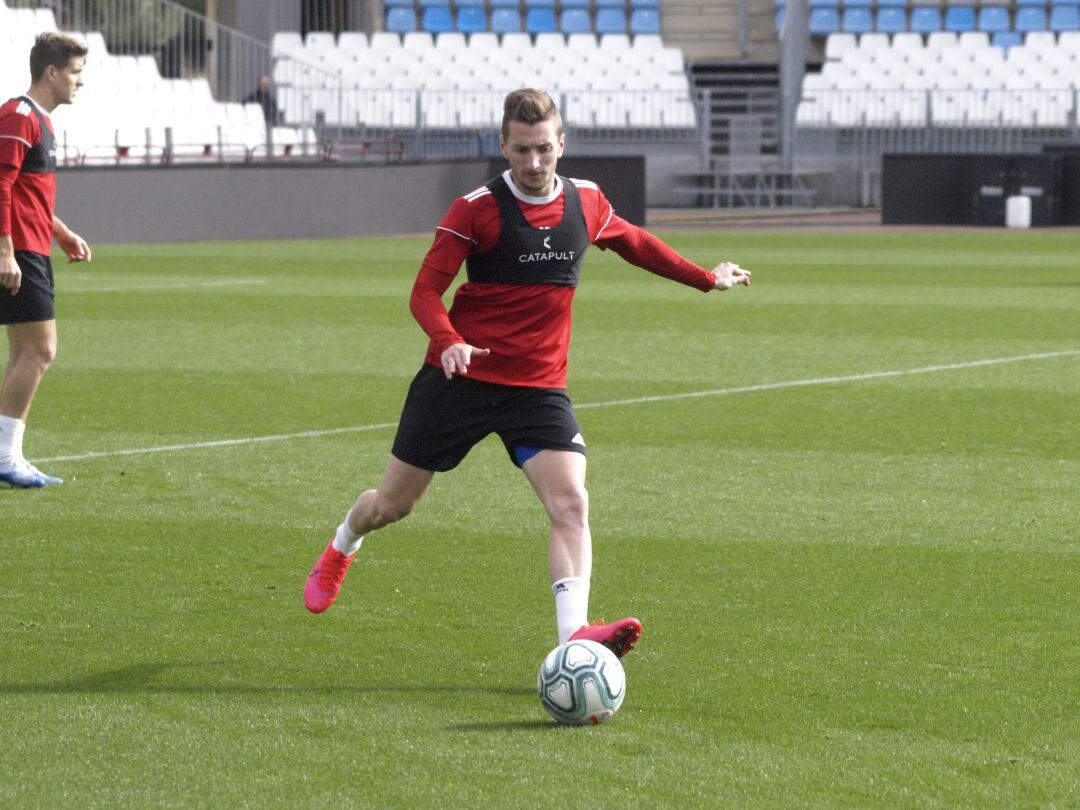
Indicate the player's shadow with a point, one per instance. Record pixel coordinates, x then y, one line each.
140 679
517 725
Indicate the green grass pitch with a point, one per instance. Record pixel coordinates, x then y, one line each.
859 589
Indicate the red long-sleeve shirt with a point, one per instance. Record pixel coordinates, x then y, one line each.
27 199
526 327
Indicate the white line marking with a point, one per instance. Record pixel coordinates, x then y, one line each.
715 392
156 287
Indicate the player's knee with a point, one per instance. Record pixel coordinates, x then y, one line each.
391 510
40 356
571 507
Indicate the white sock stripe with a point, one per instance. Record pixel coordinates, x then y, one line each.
715 392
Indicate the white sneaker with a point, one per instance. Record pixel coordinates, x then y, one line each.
17 474
49 479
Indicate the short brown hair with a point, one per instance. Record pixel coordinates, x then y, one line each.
530 106
53 49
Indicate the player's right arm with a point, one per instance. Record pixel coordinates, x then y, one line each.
17 136
452 244
10 274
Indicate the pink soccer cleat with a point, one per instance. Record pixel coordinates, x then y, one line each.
325 579
619 637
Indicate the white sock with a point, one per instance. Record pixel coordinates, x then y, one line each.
571 605
11 438
346 540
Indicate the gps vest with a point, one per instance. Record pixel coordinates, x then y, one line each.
527 255
40 159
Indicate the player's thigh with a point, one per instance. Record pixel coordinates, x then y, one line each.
404 483
558 477
32 339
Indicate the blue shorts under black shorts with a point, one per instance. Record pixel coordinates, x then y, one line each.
442 420
34 301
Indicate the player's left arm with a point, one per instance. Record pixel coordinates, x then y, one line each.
643 249
71 243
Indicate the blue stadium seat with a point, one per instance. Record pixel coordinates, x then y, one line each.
611 4
541 21
430 3
575 21
925 19
855 3
891 20
400 20
539 4
1056 3
503 4
824 21
1031 3
1006 40
505 21
393 3
1064 18
565 4
644 21
857 21
437 20
892 4
824 4
469 3
644 4
994 19
960 19
1030 18
610 21
471 19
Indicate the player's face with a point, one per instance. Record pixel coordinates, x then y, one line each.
533 150
66 82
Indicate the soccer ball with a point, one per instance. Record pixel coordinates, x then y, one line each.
581 682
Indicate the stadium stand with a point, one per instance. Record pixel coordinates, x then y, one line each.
952 81
128 112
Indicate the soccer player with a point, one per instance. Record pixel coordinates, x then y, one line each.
27 228
497 361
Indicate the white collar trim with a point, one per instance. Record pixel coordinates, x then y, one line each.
41 109
509 178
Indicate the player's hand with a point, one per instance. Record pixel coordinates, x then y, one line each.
75 247
456 358
10 274
728 274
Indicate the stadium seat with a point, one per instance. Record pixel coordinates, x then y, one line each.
960 18
565 4
494 4
575 21
907 42
610 21
1064 18
1006 40
993 19
1030 18
400 20
644 4
823 21
837 44
541 21
925 19
857 20
471 19
437 20
644 21
505 20
891 20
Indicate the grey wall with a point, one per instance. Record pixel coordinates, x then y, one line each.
199 204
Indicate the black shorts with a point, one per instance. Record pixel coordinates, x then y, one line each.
35 299
443 419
